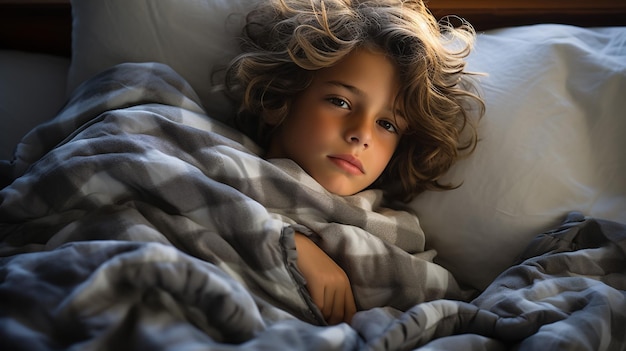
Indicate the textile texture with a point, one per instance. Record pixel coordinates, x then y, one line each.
135 221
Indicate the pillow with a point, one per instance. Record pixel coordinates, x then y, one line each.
32 91
194 37
553 141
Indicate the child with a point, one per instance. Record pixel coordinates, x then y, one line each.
360 94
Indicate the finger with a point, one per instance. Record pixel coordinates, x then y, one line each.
329 310
335 300
349 305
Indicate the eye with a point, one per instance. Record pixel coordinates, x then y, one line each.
388 126
339 102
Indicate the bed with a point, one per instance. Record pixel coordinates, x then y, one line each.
133 216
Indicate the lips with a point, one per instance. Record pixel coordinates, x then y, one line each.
348 163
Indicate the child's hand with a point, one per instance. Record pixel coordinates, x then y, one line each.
327 283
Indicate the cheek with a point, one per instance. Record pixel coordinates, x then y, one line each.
388 142
384 155
317 128
305 134
321 130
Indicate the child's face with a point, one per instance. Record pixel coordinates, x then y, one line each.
342 129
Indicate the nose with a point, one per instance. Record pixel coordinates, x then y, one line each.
359 131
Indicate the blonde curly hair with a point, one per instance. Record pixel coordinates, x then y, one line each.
285 41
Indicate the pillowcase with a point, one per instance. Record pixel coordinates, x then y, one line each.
194 37
553 141
32 92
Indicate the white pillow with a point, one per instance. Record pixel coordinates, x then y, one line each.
191 36
32 90
553 141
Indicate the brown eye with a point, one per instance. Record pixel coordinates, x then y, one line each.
388 126
339 102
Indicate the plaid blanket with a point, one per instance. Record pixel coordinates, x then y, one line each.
135 221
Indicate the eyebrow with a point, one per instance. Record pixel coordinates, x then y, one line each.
352 88
360 93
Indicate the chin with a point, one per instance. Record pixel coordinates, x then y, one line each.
341 185
340 190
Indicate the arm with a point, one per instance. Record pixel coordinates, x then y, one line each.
327 283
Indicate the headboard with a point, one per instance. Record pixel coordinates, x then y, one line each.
489 14
46 25
36 25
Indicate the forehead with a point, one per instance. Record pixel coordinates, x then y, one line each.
364 72
363 62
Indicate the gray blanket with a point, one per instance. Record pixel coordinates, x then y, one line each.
134 221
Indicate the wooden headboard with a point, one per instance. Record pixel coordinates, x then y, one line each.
489 14
46 25
36 25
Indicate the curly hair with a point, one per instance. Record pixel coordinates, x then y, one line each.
285 41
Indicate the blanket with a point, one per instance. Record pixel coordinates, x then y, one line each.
135 221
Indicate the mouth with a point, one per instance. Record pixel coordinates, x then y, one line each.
348 163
